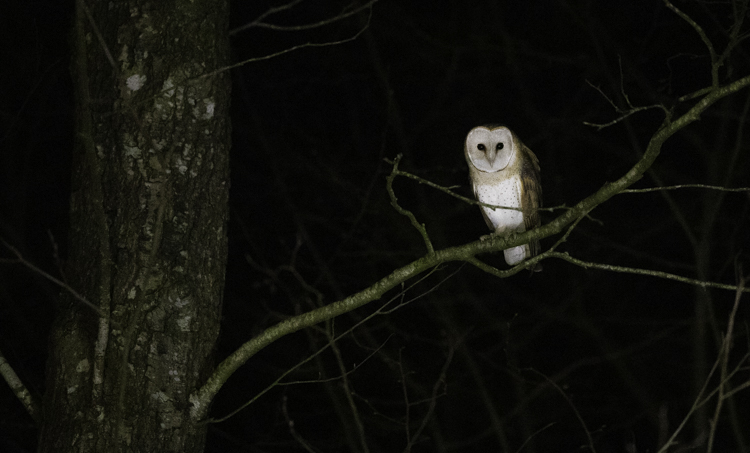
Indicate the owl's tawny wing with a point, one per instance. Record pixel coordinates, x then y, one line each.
531 196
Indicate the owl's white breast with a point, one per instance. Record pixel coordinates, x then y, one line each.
503 193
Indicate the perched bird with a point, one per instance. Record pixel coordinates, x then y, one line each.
504 172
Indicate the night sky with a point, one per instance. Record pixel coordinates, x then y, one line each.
520 363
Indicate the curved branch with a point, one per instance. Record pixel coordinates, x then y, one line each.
688 186
260 24
394 202
202 398
652 273
698 29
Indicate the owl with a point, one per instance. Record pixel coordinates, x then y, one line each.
504 172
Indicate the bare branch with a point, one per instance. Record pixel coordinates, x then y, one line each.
269 12
290 423
573 407
715 64
448 190
687 186
279 53
695 94
21 260
439 382
98 34
257 23
257 59
19 389
720 363
623 113
627 113
632 270
380 311
202 398
549 425
526 264
724 358
394 202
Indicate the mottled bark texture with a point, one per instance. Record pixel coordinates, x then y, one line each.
148 227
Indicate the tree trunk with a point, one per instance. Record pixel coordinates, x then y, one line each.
148 228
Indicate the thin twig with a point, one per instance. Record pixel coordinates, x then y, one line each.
258 23
348 392
695 94
461 197
279 53
324 348
19 389
623 113
637 271
273 10
572 406
290 423
407 403
98 34
336 378
534 435
700 399
405 212
404 302
201 77
687 186
724 357
21 260
715 64
439 382
526 264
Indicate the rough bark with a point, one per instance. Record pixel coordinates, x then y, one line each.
148 228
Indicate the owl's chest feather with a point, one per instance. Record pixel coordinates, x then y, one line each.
502 193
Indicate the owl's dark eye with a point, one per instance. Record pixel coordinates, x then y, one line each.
481 147
499 146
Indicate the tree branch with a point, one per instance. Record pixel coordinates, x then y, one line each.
637 271
23 261
22 393
202 398
260 24
715 64
688 186
394 202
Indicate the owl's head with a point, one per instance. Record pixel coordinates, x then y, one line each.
490 148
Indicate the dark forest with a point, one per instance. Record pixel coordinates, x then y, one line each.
634 336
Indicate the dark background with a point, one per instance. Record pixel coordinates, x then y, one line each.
311 223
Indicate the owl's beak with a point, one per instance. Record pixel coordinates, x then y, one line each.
491 155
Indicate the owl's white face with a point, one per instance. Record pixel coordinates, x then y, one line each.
490 150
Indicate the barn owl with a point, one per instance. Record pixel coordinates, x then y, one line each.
504 172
